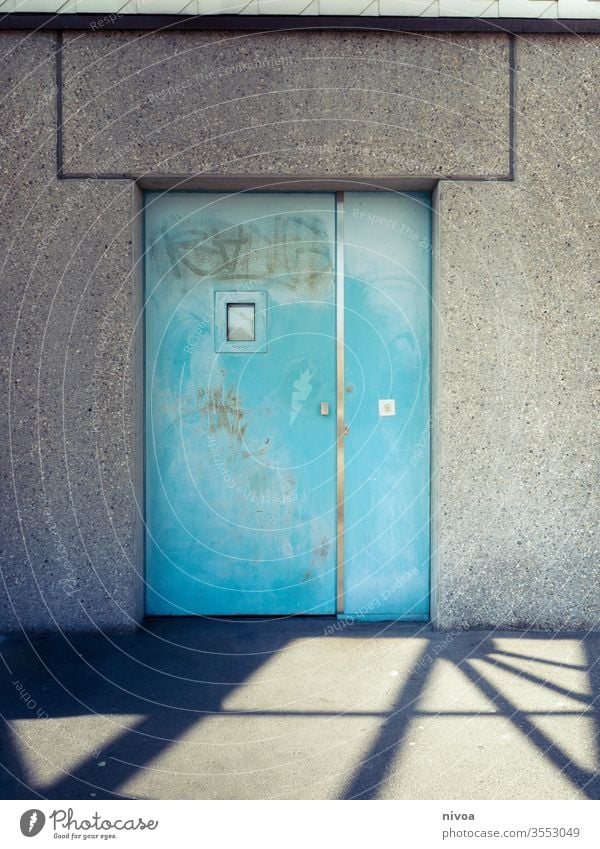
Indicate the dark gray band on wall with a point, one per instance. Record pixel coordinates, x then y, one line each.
103 21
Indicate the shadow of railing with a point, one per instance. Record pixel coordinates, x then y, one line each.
173 675
386 749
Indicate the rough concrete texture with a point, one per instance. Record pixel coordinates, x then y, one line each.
517 377
287 103
516 418
68 507
289 709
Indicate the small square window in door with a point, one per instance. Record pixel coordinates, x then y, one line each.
240 322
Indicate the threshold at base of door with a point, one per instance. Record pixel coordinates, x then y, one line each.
383 617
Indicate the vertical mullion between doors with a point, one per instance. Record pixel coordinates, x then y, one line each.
339 290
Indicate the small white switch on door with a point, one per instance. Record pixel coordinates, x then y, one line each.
387 407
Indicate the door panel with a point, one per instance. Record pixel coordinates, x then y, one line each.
387 358
240 352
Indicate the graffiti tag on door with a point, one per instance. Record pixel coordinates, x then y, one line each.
213 247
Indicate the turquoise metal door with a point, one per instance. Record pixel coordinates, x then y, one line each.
264 447
240 355
387 265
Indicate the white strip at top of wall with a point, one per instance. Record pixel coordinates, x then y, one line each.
581 9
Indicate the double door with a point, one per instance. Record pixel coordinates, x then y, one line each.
287 403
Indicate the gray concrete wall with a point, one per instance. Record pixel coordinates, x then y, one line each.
68 314
518 343
516 536
292 103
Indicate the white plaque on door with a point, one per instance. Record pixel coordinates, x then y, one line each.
387 407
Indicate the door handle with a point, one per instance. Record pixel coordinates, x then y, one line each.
346 430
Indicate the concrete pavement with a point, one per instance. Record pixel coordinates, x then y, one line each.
300 708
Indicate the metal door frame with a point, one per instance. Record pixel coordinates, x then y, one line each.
339 186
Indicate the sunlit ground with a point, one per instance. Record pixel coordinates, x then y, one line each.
283 710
